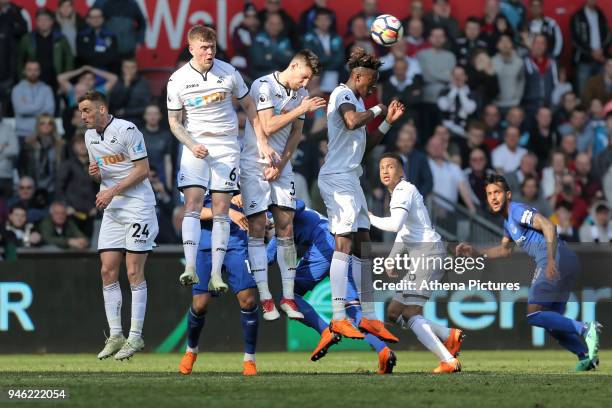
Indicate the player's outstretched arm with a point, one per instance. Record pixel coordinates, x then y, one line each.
504 249
393 223
272 123
395 111
354 120
139 172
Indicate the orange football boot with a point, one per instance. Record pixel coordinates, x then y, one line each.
328 339
453 343
345 328
186 364
249 368
453 366
386 361
377 328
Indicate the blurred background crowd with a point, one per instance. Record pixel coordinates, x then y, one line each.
489 94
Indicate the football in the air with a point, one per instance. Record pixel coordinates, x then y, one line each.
386 30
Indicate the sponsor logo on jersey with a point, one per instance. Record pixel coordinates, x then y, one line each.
110 159
140 241
94 142
139 148
191 86
205 100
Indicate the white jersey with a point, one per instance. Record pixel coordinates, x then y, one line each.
207 98
417 227
345 147
115 150
269 93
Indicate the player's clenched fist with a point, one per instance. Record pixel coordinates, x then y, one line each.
464 250
396 110
311 104
199 151
94 170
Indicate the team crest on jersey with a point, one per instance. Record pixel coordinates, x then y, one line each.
263 97
220 80
346 97
114 139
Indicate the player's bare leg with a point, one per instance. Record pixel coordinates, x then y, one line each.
249 318
111 262
287 259
135 264
195 323
219 239
191 230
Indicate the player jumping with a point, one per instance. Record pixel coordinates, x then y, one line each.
416 237
203 88
240 281
556 270
118 161
282 101
340 189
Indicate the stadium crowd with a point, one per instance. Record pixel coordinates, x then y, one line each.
495 96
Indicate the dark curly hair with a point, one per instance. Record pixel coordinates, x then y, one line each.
360 58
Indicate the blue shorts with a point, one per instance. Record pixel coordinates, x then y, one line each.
235 267
554 294
311 271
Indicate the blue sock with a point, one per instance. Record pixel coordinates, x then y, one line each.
194 328
250 322
354 312
554 321
311 317
571 342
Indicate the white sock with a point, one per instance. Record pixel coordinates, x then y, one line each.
258 258
362 275
287 262
249 357
139 307
218 242
420 326
193 350
191 237
338 277
112 306
441 331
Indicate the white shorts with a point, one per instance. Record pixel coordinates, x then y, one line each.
259 194
347 208
217 172
128 229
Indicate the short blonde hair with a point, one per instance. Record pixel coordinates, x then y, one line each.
202 33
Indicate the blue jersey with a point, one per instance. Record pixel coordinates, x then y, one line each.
519 227
237 240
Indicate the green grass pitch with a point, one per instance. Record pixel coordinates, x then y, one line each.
490 378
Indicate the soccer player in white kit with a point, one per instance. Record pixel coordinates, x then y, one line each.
342 193
203 90
282 101
118 161
419 240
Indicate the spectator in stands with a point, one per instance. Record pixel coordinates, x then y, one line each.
368 13
542 136
131 93
597 122
482 79
501 27
31 98
47 46
456 102
590 35
9 150
597 228
527 168
530 194
164 208
516 117
436 64
561 116
568 192
569 148
590 187
475 136
440 16
243 38
96 45
159 143
27 198
448 179
603 161
562 218
272 50
563 86
491 117
599 86
309 15
540 77
417 12
476 174
508 67
469 42
41 154
415 40
125 20
70 22
86 79
416 166
507 156
547 26
12 27
491 11
75 188
515 11
26 234
578 126
359 36
289 29
60 231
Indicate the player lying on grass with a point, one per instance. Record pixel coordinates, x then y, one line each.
418 239
240 281
311 230
282 101
557 267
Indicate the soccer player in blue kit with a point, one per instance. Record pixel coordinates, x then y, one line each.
311 230
556 270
